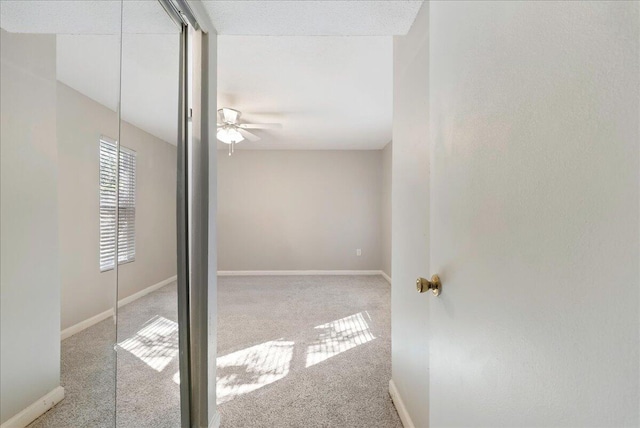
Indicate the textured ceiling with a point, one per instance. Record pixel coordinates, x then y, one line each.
313 17
328 92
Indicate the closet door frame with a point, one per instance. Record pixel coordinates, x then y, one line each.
195 298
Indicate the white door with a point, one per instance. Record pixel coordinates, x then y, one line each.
534 209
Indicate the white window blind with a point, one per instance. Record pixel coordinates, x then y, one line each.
126 206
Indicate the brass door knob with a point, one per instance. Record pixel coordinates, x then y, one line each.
434 285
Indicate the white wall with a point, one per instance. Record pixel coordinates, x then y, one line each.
385 238
534 213
410 220
29 267
85 291
299 210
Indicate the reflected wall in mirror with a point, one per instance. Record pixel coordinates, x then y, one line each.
60 92
148 390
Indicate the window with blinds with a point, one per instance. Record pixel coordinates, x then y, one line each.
126 230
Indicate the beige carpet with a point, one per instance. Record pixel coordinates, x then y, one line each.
293 351
305 351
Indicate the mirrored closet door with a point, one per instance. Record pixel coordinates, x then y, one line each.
148 378
104 212
60 127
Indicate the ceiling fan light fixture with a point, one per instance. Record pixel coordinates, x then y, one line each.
229 115
231 131
229 135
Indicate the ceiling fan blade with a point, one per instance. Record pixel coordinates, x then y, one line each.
260 125
248 135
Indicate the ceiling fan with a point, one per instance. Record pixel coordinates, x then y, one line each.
231 131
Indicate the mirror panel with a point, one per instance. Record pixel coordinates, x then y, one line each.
148 389
60 93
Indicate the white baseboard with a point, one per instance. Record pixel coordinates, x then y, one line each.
146 291
402 410
82 325
385 276
295 272
77 328
215 422
35 410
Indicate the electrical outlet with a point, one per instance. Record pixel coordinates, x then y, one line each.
358 252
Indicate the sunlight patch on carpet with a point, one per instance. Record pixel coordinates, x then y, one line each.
252 368
339 336
156 344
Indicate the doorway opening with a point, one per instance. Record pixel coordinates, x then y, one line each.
303 230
